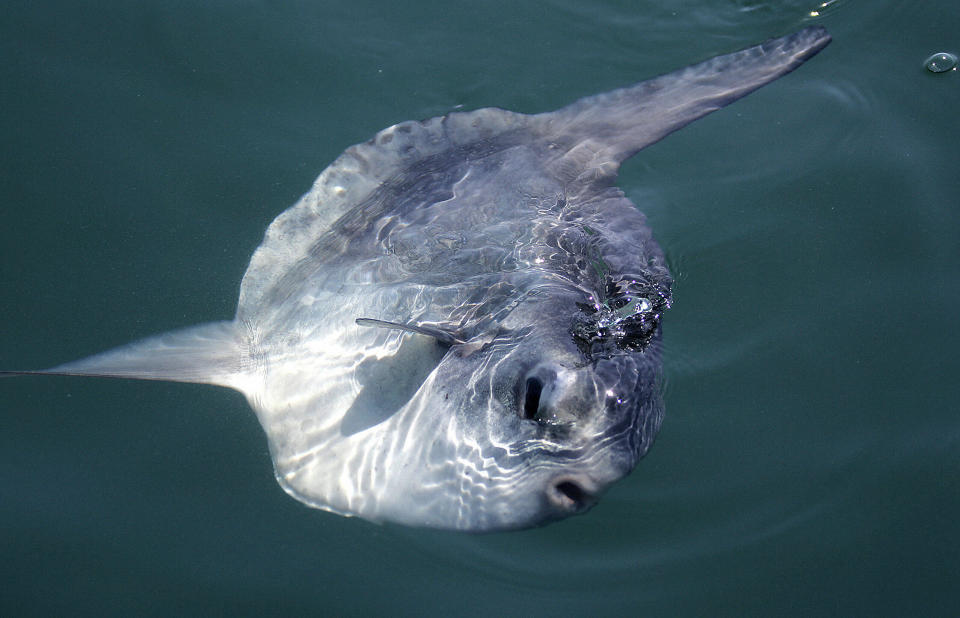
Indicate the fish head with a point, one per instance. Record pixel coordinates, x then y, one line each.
545 420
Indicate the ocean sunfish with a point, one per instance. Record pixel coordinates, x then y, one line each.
458 326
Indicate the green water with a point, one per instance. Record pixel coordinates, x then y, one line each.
809 461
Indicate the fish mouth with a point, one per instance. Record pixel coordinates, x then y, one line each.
572 493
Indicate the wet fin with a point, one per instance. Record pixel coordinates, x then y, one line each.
444 337
208 354
615 125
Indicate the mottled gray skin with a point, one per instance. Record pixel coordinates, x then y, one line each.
459 325
493 249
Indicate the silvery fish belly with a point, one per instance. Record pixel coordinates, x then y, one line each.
459 325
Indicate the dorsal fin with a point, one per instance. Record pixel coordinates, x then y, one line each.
605 129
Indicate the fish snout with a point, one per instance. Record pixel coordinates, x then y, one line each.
572 493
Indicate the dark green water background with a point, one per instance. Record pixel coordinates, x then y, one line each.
809 462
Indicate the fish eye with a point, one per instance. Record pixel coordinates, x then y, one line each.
540 404
531 399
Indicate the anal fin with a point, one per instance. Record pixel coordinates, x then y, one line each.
210 353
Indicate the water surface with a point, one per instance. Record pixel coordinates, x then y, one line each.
809 462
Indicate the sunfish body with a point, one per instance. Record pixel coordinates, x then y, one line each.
458 326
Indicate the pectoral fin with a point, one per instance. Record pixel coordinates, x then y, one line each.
443 336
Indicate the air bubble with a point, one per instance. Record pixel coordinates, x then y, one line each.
941 62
